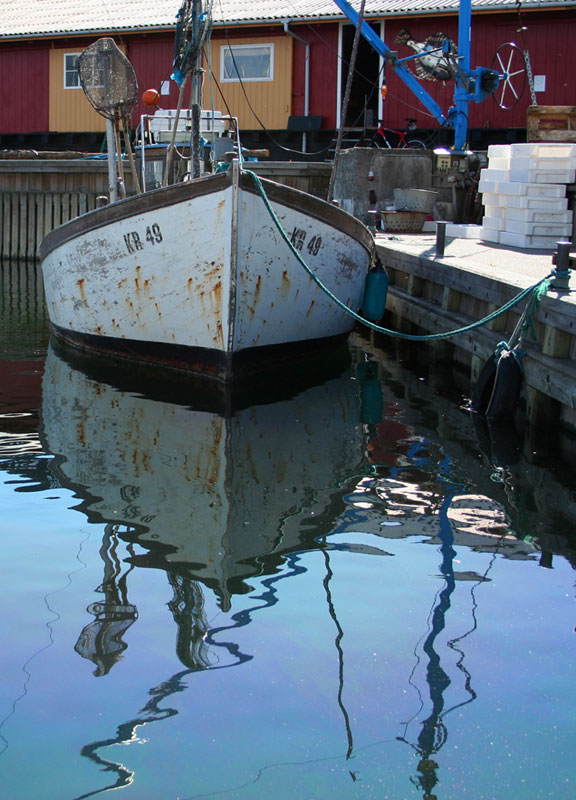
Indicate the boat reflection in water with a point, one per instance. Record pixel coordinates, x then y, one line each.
217 496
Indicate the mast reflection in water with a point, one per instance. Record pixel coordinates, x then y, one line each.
227 499
212 498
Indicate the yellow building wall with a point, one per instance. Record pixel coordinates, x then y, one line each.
271 100
69 110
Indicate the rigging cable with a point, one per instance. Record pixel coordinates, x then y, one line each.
251 107
356 42
338 55
525 52
536 290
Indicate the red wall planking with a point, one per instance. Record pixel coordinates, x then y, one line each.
24 88
323 71
549 41
151 56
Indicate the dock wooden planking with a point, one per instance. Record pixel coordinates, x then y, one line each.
433 295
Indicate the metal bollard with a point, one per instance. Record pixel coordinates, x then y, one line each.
440 238
561 280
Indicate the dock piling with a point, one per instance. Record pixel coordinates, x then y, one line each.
561 261
440 239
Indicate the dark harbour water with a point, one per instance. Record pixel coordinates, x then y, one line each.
338 587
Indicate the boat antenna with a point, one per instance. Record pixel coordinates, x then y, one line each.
109 82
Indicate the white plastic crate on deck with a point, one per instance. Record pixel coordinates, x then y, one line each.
524 194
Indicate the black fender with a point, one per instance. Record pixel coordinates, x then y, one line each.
485 384
497 391
505 395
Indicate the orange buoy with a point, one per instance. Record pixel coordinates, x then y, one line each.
151 97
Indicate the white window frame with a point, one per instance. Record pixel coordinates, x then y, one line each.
68 71
240 47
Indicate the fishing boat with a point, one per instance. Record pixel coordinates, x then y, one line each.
218 275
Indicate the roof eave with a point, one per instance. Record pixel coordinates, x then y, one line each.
86 32
336 17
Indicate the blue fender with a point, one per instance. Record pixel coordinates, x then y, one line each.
375 294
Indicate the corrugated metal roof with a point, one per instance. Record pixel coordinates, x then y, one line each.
30 18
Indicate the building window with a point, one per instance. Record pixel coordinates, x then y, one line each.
71 76
247 62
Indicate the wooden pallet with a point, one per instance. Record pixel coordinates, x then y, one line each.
551 124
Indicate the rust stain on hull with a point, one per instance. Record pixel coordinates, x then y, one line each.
81 286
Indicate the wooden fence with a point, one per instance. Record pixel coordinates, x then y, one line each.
26 218
37 195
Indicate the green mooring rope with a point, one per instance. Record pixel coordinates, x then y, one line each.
538 289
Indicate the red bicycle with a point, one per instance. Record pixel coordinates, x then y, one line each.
380 138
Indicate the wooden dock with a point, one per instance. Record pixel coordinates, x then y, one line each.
430 294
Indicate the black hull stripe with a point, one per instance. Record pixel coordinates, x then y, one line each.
196 361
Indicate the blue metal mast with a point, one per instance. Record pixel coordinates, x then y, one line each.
462 91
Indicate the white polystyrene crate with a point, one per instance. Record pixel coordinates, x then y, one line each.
495 200
542 190
491 199
543 203
499 164
487 235
525 242
494 223
487 187
545 164
542 175
539 215
495 211
461 231
494 175
498 151
543 150
531 189
537 228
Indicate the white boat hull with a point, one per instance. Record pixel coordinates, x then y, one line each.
197 276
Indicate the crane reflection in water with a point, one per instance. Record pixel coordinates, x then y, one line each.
217 498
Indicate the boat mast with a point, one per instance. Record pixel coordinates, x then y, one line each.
193 26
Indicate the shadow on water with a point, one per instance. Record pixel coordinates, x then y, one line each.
220 491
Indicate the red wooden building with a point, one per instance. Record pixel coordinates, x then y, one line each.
307 44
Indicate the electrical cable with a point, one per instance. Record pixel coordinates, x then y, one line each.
419 109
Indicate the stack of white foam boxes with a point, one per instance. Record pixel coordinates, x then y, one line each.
524 194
